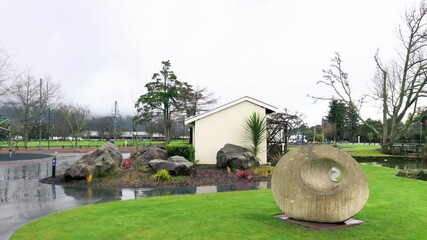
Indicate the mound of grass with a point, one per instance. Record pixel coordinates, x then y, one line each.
396 210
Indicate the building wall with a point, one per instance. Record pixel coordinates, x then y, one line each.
227 126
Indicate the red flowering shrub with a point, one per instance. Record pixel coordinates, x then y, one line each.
247 174
128 163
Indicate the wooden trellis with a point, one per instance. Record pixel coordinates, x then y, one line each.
278 126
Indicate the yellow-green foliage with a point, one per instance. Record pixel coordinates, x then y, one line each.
89 178
162 175
142 168
264 170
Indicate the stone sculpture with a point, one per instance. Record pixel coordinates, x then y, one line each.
319 183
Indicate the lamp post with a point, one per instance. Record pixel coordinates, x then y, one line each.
40 115
48 129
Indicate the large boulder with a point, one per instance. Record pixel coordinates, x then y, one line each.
235 157
144 155
176 165
101 161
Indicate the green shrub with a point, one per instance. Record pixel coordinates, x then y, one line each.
185 150
413 173
162 175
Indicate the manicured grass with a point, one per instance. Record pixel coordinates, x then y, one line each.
354 150
357 150
396 209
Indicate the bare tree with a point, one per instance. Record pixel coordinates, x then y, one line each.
196 100
6 73
399 85
103 125
28 98
336 78
59 126
76 117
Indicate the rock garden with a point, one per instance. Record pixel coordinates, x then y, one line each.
158 166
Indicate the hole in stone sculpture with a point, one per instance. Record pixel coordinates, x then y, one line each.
335 174
321 175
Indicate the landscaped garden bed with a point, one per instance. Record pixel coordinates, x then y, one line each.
142 177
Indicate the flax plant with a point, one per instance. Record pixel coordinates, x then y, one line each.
89 178
255 131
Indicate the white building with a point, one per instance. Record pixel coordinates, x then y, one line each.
225 124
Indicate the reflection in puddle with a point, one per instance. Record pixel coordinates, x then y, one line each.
106 195
22 183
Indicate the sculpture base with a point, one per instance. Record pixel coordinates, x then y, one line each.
320 226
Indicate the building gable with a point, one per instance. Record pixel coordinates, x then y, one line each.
268 108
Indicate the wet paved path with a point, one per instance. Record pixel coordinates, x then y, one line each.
23 198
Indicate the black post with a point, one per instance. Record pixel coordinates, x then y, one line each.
53 166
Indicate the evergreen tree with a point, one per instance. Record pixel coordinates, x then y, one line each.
351 123
336 117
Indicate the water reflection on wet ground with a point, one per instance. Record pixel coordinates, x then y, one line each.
23 198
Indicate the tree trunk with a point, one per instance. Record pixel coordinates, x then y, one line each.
167 122
167 131
335 135
385 139
25 135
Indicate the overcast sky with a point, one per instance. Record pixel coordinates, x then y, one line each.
274 51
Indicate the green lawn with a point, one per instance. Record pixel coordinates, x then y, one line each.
363 150
83 143
396 209
354 150
357 150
